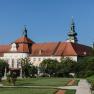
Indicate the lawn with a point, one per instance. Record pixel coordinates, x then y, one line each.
41 82
36 82
91 80
26 91
31 91
70 92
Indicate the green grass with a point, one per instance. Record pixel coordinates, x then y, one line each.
36 82
91 81
41 82
70 92
91 77
26 91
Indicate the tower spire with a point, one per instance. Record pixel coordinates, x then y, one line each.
72 35
25 31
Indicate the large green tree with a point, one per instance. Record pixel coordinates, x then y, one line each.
86 66
66 67
3 65
25 63
60 69
27 69
49 66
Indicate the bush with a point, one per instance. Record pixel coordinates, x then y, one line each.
8 77
13 77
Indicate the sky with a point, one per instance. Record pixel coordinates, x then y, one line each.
46 20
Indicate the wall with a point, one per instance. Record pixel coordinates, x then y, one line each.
12 58
71 57
36 60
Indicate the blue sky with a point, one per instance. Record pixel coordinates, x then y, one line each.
46 20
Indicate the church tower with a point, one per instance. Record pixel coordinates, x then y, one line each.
72 35
24 44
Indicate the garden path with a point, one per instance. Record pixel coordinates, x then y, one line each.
82 88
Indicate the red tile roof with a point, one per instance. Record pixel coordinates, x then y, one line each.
65 49
24 40
50 49
60 49
45 48
82 50
4 48
1 54
23 48
24 44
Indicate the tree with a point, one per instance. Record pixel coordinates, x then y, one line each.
66 66
27 69
3 65
24 62
13 77
86 66
49 66
33 70
8 77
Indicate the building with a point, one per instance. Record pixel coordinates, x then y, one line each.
24 47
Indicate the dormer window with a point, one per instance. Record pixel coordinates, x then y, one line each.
40 52
85 53
13 47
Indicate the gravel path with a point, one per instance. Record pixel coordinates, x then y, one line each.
83 87
60 92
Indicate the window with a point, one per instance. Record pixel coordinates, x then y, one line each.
55 58
34 59
43 58
39 59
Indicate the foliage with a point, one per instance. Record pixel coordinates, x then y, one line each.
3 64
33 70
13 77
49 66
25 62
91 81
8 77
66 66
86 67
55 68
27 68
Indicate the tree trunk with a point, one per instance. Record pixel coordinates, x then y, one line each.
21 73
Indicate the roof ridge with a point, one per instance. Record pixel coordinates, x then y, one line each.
5 45
45 42
73 47
64 48
24 40
56 48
